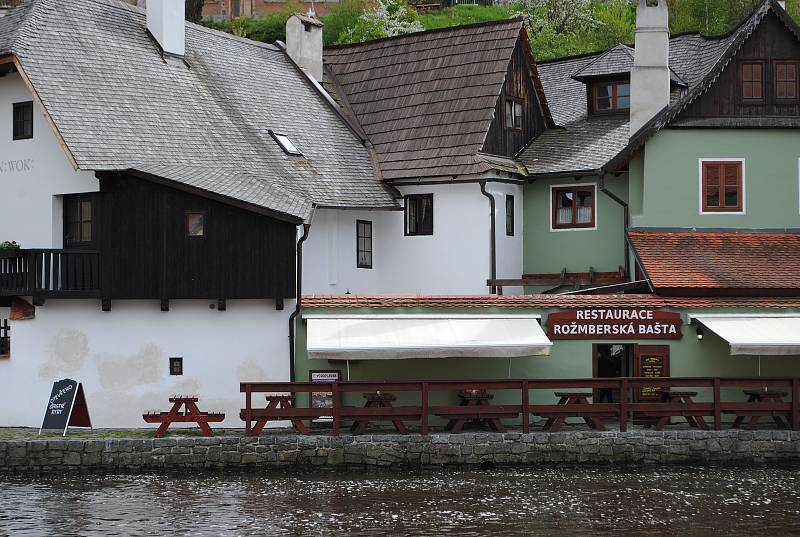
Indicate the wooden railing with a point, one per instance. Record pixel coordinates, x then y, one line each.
528 397
50 273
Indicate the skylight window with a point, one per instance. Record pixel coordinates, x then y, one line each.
286 144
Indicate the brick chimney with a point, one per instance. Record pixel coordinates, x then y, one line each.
650 80
165 21
304 44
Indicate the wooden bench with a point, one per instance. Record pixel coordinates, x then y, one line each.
192 414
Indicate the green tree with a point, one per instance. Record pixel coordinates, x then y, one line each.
194 11
386 18
342 19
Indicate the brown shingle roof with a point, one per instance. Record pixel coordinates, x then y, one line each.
544 301
426 100
719 260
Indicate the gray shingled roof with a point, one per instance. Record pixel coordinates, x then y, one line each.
119 106
615 61
426 100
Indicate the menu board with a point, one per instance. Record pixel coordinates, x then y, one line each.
651 366
323 399
66 407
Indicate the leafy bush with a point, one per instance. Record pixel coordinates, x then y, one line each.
385 18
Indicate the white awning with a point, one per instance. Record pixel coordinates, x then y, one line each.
765 335
388 337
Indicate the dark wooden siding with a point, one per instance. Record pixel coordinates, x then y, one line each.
145 253
507 142
770 42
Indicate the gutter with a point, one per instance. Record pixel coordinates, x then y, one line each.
492 242
299 292
626 223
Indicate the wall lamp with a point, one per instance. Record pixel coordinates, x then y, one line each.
699 330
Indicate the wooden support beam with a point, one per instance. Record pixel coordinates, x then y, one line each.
222 304
164 304
279 303
105 304
38 300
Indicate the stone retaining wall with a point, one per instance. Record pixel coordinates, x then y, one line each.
412 451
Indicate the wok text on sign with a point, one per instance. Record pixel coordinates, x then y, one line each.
614 323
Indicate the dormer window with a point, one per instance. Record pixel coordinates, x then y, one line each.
286 144
612 97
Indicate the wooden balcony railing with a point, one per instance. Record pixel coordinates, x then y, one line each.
50 273
419 401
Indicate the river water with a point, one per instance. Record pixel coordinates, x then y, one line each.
563 501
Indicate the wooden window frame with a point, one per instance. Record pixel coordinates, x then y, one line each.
555 190
66 221
510 213
742 81
614 97
775 81
5 340
407 198
741 186
514 101
25 107
186 233
359 264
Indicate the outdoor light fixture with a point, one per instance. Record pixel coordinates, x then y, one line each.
699 333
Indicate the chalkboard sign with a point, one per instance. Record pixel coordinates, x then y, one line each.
66 407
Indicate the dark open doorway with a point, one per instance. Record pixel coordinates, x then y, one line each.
609 361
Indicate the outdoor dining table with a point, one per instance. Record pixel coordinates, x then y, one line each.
556 421
192 414
275 401
682 398
476 398
760 396
378 400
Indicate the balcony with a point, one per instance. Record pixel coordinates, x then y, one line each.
50 273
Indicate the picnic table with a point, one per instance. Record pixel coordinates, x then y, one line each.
378 400
191 414
761 396
276 401
466 411
685 399
556 421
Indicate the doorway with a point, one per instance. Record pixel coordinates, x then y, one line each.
612 360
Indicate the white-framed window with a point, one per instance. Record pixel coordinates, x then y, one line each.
722 186
573 207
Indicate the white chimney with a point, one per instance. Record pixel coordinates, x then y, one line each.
304 44
782 4
165 21
650 78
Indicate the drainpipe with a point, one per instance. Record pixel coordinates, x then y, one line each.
299 292
492 247
626 223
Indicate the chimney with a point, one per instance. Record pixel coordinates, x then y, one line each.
304 44
650 80
165 21
782 3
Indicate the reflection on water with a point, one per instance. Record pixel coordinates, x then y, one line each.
563 501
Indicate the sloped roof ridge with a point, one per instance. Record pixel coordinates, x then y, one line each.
625 48
500 22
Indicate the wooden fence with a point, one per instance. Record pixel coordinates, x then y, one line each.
51 273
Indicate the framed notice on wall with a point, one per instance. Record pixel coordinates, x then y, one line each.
652 361
323 399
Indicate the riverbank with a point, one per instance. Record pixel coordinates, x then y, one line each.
280 450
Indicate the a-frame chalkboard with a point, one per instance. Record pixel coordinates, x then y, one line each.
66 407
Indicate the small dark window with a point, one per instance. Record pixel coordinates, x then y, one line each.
786 81
5 338
573 207
514 108
196 224
752 81
176 366
23 120
510 215
722 187
78 221
419 214
612 97
364 244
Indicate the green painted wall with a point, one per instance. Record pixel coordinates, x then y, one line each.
547 251
671 184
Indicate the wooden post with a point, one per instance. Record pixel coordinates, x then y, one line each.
795 403
623 406
717 413
337 402
425 408
526 422
248 429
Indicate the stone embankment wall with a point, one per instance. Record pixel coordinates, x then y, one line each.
412 451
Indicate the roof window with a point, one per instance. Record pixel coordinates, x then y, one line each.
286 144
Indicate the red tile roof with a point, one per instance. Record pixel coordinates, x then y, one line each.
724 260
544 301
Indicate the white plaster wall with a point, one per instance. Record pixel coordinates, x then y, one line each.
122 357
509 248
454 260
32 175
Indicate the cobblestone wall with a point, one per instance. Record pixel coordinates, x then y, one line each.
413 451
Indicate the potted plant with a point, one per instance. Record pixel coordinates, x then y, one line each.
9 249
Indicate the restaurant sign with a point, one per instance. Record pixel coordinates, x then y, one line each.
615 323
